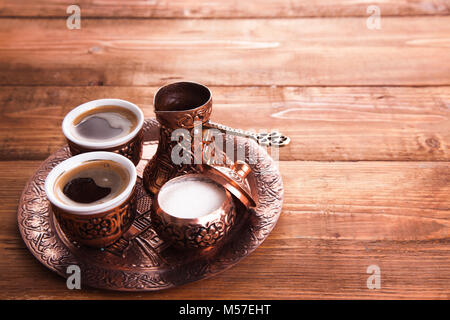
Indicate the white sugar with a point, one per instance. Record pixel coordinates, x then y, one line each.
191 198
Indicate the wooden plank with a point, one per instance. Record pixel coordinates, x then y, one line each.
392 192
326 124
221 9
309 52
338 219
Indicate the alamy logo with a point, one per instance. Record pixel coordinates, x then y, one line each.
74 280
374 21
74 20
374 281
212 147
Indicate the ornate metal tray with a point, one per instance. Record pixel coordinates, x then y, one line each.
140 260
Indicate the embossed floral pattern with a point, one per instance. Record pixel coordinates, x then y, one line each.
132 149
161 167
100 229
195 235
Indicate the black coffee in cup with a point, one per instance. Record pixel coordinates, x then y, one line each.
92 182
104 123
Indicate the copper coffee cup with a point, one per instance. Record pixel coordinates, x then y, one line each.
213 227
97 225
200 232
129 146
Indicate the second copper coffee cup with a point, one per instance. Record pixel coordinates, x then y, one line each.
128 144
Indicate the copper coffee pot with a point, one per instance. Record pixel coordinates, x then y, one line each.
188 105
179 105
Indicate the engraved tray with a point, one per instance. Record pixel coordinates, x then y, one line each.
140 260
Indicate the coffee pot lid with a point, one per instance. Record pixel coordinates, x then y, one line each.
233 179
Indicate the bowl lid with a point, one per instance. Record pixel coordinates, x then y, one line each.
233 179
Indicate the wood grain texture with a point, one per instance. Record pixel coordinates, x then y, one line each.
338 219
301 52
366 177
326 124
221 9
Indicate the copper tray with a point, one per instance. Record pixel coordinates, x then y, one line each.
140 260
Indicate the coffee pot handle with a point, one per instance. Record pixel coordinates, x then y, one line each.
273 138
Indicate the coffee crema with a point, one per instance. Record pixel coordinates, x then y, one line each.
92 182
104 123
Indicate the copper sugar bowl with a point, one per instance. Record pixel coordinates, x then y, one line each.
180 105
210 229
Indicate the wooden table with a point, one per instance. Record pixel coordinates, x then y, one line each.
367 177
